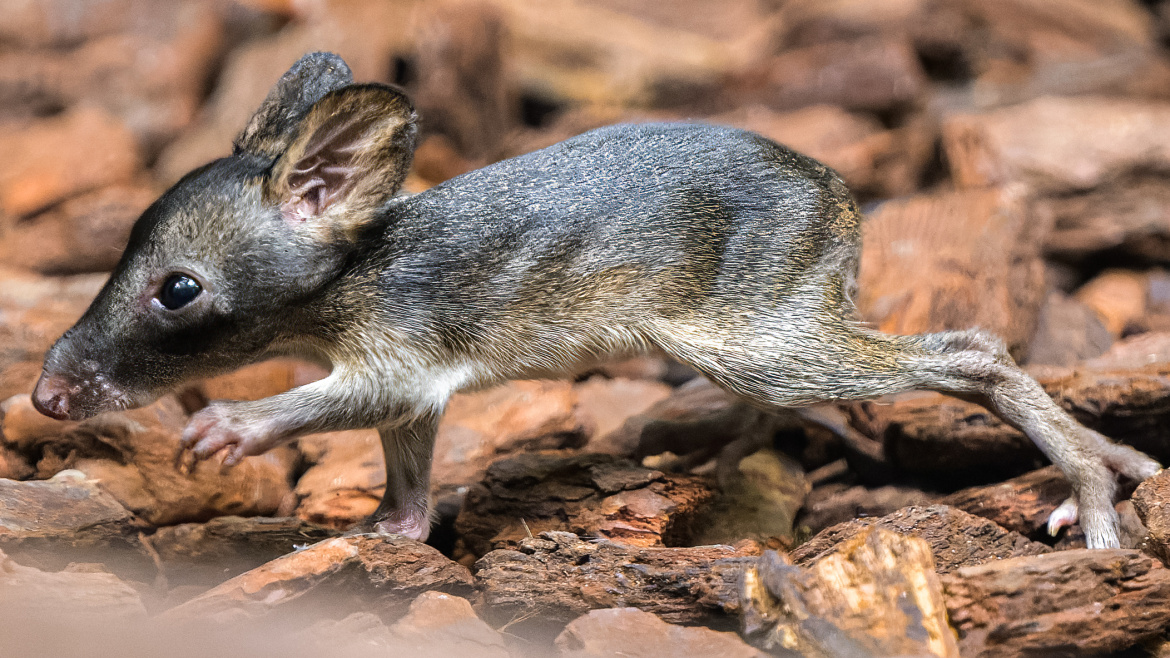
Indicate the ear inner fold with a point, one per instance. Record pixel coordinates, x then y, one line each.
350 155
327 169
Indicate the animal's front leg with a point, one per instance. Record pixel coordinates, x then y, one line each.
341 401
408 448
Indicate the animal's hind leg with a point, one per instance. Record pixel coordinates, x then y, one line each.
840 361
1121 458
1090 461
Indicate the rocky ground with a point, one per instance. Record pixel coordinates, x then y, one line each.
1013 158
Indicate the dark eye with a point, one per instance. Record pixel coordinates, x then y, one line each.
178 291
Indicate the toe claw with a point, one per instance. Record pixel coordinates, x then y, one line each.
185 461
233 455
1063 516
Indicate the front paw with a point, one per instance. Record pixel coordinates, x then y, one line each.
219 428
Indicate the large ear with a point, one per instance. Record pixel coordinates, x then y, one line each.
350 154
270 130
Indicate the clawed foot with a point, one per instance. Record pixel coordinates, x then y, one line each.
408 524
1100 527
1092 503
216 430
413 528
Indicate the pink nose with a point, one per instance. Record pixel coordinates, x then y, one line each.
51 396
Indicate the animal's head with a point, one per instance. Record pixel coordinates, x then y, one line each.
214 265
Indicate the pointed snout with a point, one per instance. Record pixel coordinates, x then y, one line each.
66 396
78 380
52 396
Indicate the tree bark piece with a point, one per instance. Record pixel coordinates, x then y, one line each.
637 634
1067 333
48 524
147 64
342 575
65 510
591 495
758 501
1118 297
206 553
955 537
1004 51
863 74
1128 216
953 261
1058 145
479 427
1069 603
934 433
605 404
1151 500
464 87
836 503
699 417
345 478
1021 504
86 233
63 156
1095 167
876 594
558 577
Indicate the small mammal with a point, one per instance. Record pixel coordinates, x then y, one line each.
724 250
